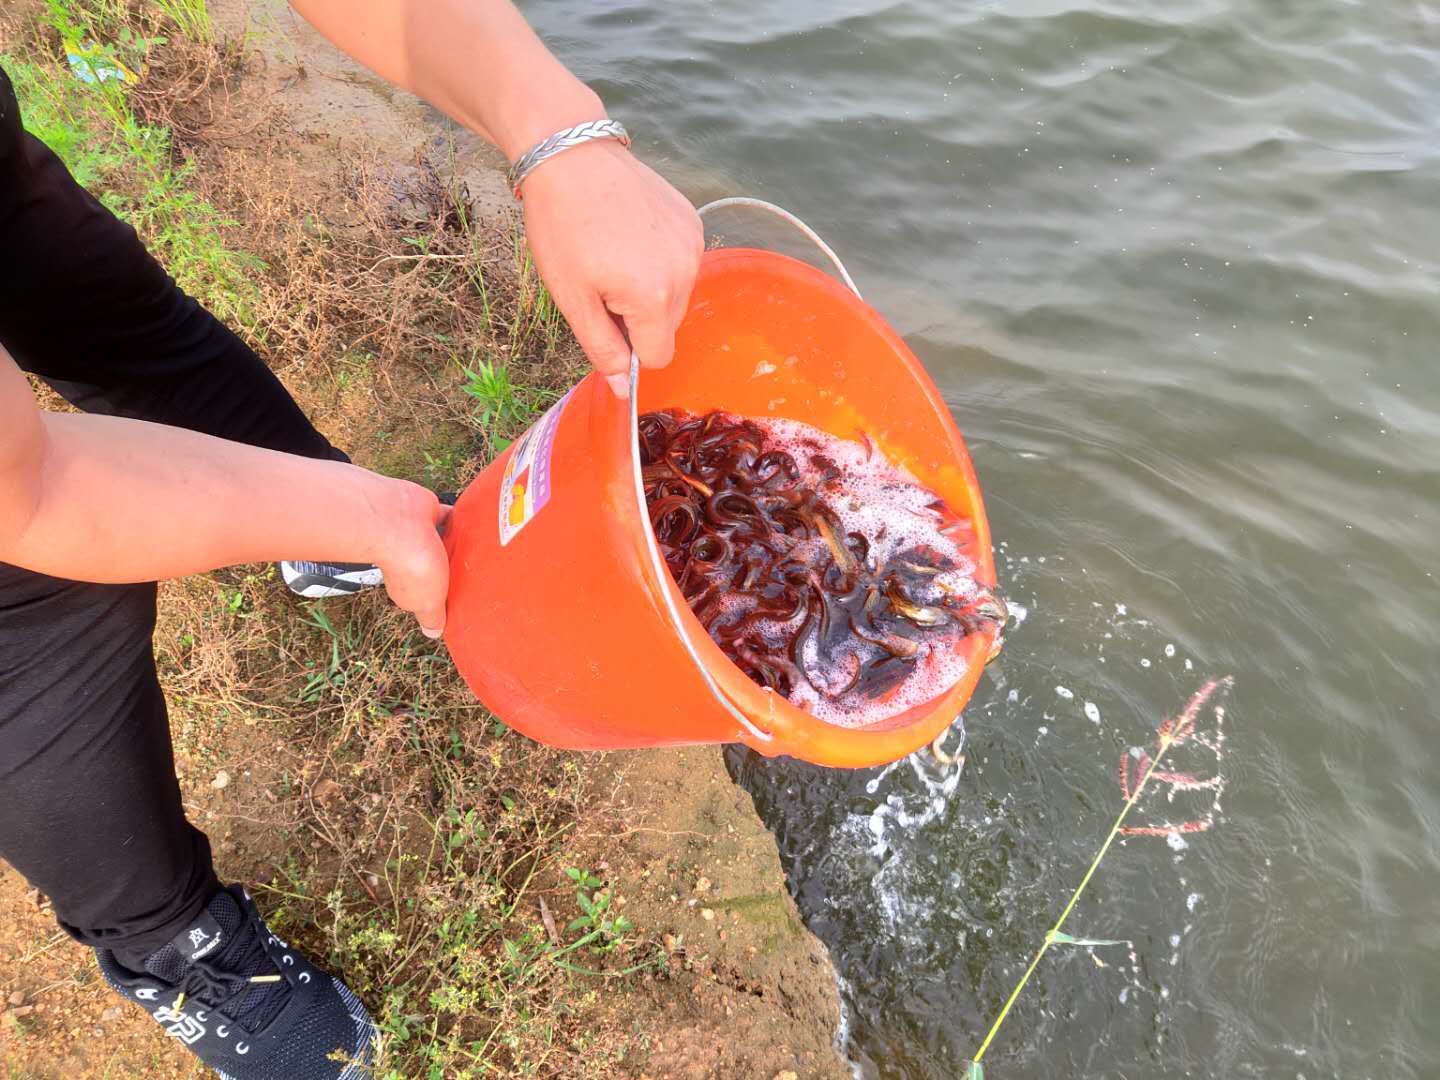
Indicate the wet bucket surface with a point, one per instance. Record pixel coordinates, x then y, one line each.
561 617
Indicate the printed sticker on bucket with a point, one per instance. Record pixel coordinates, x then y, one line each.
525 487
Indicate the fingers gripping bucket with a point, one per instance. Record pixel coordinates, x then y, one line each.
562 617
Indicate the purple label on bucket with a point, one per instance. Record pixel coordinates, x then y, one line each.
525 486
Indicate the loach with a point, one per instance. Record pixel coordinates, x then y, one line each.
822 570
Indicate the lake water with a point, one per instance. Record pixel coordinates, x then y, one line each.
1174 268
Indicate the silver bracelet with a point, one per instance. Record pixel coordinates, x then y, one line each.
560 142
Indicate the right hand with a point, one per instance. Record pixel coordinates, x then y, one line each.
618 248
417 569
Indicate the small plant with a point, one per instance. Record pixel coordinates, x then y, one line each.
322 680
503 408
464 828
496 403
440 468
602 928
595 917
583 879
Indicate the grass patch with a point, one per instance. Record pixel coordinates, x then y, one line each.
396 831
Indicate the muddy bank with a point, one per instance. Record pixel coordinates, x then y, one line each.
333 105
749 992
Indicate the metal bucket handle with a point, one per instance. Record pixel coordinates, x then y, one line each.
652 547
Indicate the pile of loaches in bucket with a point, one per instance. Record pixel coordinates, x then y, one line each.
823 571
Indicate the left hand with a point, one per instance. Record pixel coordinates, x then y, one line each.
618 248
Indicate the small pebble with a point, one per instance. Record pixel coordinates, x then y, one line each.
17 997
707 914
221 781
702 884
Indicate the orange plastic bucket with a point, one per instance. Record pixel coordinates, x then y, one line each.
563 619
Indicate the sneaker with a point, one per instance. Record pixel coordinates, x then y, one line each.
317 580
247 1004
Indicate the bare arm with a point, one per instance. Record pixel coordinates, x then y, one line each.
612 240
477 61
97 498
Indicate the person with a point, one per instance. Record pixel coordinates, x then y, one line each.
189 455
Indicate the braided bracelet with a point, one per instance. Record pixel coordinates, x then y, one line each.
560 142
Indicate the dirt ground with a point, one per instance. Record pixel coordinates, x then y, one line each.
731 984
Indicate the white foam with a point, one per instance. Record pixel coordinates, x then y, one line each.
888 506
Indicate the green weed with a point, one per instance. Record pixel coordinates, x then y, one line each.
333 674
603 929
502 408
441 468
536 314
192 17
496 403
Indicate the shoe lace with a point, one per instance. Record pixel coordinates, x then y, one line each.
216 989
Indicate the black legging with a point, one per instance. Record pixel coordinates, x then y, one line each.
89 806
